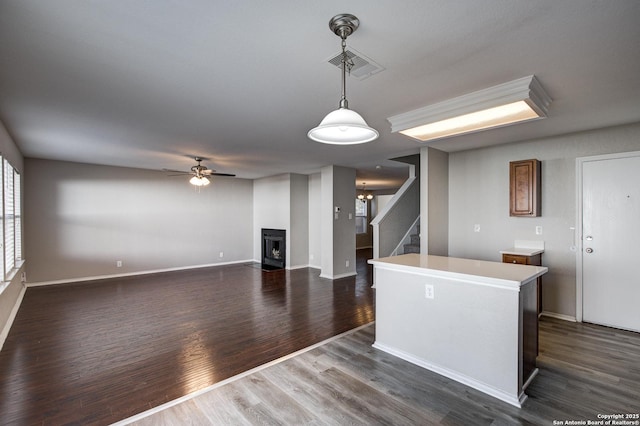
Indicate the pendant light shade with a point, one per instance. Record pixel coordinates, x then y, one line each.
343 126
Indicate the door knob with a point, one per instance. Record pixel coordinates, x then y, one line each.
589 250
588 238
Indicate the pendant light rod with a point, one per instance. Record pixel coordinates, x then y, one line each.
343 126
343 26
343 99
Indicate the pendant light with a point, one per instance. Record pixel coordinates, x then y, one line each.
343 126
364 194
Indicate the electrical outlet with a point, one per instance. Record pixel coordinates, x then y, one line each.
346 263
118 263
428 291
221 254
538 230
476 227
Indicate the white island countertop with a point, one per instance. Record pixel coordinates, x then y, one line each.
479 271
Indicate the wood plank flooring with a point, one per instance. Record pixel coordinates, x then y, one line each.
95 353
585 370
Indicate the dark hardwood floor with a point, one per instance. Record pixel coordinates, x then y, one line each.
98 352
586 371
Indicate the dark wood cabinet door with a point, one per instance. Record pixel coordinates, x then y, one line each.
524 188
535 260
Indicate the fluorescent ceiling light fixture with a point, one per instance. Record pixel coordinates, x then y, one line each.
343 126
509 103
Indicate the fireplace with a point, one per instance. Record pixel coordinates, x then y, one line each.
274 248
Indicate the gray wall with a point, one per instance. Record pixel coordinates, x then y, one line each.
338 237
82 218
315 226
344 228
271 207
299 253
434 202
479 194
282 202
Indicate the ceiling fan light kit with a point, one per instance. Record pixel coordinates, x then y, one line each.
503 105
199 174
343 126
199 181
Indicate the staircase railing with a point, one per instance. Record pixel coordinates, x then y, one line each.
406 237
396 218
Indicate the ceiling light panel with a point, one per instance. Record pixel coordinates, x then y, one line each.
509 103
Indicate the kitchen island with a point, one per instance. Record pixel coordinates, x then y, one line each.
470 320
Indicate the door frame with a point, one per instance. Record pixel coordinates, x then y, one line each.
578 237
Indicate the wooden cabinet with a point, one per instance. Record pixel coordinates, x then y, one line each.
521 259
531 311
524 188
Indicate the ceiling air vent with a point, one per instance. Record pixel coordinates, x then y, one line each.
362 68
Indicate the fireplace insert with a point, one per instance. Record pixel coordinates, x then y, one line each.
274 248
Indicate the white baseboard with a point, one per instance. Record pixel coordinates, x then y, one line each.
303 266
12 316
515 400
291 268
129 274
337 277
530 379
558 316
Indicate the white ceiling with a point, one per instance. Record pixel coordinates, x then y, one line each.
149 84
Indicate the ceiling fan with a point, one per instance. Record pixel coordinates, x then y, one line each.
199 173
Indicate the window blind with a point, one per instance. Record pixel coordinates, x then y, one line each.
2 269
9 215
17 206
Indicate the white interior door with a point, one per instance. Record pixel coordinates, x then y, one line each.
610 239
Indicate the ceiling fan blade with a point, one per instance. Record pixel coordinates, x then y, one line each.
211 172
205 172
